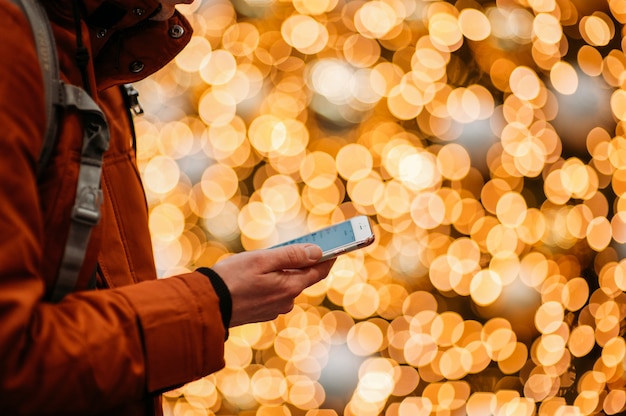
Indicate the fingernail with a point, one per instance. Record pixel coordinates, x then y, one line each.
313 252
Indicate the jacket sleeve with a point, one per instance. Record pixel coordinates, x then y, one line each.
94 350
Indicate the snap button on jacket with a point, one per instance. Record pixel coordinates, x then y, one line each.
113 350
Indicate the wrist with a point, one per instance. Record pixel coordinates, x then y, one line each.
225 299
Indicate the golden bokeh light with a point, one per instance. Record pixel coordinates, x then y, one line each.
485 141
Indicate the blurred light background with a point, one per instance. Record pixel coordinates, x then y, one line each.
485 141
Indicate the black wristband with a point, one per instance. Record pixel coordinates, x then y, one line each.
226 302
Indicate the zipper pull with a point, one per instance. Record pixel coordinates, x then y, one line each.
133 99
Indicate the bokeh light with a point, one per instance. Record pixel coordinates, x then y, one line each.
486 142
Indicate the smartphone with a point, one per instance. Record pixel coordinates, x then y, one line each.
340 238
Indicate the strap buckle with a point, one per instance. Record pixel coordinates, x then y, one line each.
87 207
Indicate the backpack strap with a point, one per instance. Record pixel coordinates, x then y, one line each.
58 95
86 211
46 51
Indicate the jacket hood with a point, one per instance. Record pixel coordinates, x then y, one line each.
123 43
106 14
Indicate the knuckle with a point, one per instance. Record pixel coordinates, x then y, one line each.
294 292
288 307
293 254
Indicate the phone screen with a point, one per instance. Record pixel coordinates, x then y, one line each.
328 238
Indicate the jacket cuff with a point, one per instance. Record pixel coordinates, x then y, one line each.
226 302
181 338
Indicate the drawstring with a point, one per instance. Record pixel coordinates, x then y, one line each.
82 54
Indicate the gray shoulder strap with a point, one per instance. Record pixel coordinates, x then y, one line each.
86 211
58 95
46 51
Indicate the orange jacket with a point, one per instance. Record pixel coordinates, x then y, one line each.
109 351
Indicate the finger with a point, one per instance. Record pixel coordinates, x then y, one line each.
295 256
322 270
305 277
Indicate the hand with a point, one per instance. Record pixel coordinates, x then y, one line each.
168 7
265 283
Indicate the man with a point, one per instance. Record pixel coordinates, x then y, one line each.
115 349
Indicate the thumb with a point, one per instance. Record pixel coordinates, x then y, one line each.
294 256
